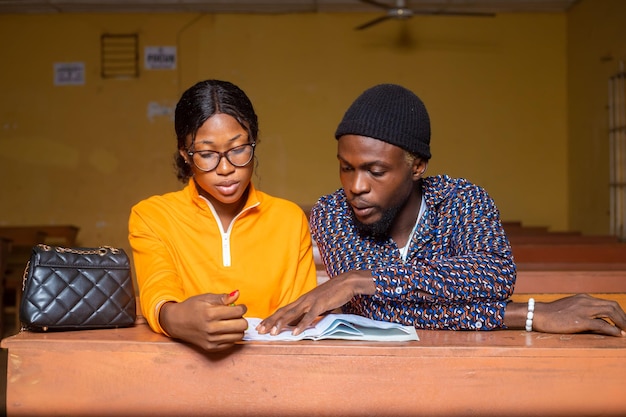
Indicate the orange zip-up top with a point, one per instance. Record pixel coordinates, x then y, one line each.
180 250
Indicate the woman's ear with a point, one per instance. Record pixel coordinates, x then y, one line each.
185 155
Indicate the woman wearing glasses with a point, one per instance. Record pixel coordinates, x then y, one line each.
218 249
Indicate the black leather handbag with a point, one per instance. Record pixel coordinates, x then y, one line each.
76 289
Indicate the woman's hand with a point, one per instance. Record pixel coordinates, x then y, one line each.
210 321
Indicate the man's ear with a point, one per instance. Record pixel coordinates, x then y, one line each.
419 168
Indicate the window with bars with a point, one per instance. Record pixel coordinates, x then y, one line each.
120 55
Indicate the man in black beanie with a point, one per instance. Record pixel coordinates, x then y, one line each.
429 252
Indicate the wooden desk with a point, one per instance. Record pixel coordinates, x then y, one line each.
137 372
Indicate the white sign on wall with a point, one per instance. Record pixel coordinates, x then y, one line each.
160 57
69 73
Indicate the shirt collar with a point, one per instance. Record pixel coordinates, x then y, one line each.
254 197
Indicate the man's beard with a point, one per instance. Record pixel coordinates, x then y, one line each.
379 230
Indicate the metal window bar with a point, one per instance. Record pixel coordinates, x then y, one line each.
617 153
120 55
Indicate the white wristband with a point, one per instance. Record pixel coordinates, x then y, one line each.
530 315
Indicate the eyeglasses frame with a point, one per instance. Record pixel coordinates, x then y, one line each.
222 154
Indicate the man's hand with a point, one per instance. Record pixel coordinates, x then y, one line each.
330 295
580 313
210 321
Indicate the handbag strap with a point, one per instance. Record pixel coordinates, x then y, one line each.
102 250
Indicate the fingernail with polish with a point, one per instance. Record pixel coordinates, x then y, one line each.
232 294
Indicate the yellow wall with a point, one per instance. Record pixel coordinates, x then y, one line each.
596 44
496 89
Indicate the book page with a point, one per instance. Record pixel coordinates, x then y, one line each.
338 326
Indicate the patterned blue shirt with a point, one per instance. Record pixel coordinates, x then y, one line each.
459 271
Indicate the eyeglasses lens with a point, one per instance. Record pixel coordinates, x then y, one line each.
209 160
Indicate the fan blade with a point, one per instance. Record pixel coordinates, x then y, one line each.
378 4
445 13
372 22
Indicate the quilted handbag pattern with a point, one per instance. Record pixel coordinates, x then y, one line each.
77 288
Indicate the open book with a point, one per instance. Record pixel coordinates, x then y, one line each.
339 326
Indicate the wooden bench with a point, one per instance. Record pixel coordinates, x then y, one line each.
547 285
602 253
22 239
559 238
134 371
558 281
548 265
5 247
519 233
33 234
516 228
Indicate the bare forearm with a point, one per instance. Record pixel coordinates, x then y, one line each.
165 319
360 282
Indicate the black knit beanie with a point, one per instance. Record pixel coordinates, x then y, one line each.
390 113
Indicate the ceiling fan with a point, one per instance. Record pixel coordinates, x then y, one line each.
401 11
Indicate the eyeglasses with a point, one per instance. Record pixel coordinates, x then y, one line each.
239 156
